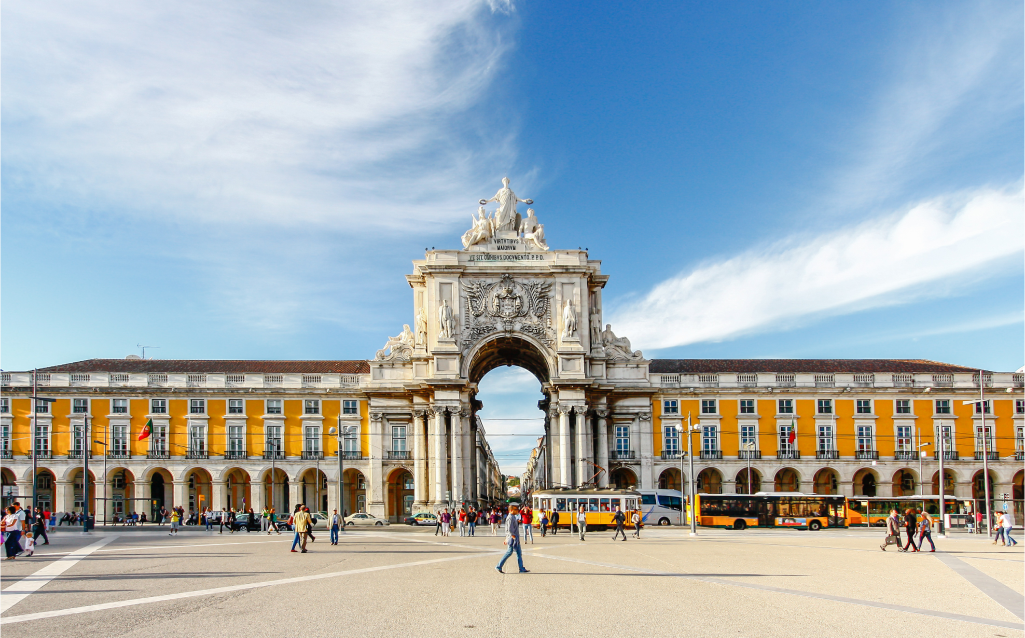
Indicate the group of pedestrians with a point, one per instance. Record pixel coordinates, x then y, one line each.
1004 525
22 529
466 520
914 522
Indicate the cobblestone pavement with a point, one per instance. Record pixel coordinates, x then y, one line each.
403 581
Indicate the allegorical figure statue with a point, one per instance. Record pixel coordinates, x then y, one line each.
480 230
505 216
618 347
421 326
533 232
401 346
569 320
446 321
595 327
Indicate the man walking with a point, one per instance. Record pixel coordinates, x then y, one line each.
555 522
635 519
300 523
1008 523
582 522
620 519
335 521
512 540
892 531
910 524
471 520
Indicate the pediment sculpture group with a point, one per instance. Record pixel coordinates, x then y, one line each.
505 218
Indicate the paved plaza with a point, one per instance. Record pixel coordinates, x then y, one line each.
405 581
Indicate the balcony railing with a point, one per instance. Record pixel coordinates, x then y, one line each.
397 455
159 456
754 455
621 455
119 455
990 456
905 455
827 454
352 455
949 455
1018 456
6 454
235 455
673 455
41 454
194 454
788 454
711 454
276 455
309 455
76 454
867 455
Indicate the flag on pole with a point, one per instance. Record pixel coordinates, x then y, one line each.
793 431
146 430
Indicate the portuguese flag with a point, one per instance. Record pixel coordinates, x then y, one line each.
146 430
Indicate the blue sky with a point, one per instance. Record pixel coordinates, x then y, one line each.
759 179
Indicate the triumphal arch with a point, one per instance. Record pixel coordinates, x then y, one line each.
507 298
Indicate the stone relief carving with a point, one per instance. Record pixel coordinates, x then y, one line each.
446 321
507 305
398 348
618 348
569 321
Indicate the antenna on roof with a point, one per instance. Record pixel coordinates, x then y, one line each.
139 345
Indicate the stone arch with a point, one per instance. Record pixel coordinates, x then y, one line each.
150 471
399 500
313 488
520 350
787 479
120 492
826 481
979 488
74 500
623 478
1017 488
354 485
904 482
274 485
948 484
161 485
669 479
10 485
199 491
865 482
238 487
709 481
742 484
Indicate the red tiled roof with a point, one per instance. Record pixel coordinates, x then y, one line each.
808 366
212 366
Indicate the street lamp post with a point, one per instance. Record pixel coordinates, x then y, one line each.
86 449
750 450
105 479
921 456
690 480
33 443
942 452
985 450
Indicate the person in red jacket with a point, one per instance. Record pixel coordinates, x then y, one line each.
527 518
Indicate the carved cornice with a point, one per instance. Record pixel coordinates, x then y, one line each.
376 416
601 413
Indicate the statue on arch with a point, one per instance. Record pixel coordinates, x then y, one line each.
446 321
533 232
505 216
618 347
401 347
421 326
569 321
595 327
480 231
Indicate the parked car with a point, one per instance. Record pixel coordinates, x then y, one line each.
422 518
247 522
362 518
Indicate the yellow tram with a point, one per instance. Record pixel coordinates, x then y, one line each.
601 504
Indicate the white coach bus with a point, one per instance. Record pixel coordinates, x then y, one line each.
661 507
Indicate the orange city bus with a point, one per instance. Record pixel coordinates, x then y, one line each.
771 509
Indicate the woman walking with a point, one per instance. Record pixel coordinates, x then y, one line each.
494 521
1008 523
512 540
998 529
11 527
175 518
925 531
910 526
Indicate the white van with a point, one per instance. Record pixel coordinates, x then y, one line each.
661 507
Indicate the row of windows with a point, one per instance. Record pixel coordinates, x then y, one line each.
196 406
825 406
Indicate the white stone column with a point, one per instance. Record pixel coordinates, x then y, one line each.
179 495
295 493
256 496
458 421
219 496
565 471
584 471
142 497
419 460
64 498
376 488
647 451
440 456
603 446
467 444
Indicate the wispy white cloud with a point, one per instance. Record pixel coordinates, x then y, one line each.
329 114
850 269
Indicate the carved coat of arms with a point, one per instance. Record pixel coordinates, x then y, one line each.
507 305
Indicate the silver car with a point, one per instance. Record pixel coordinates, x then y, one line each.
362 518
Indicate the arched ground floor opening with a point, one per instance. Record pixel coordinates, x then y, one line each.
979 488
949 481
9 486
865 482
275 491
313 489
354 484
905 482
746 484
199 490
77 495
46 489
827 482
161 484
623 478
238 490
787 480
399 502
709 481
669 479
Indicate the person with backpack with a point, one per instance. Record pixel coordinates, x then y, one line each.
582 522
620 520
512 540
555 522
544 523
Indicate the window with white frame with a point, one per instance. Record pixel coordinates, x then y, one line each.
236 439
158 406
670 406
350 439
1019 439
42 439
197 438
622 438
671 439
5 405
77 438
825 438
311 406
158 440
748 440
903 438
119 406
983 407
786 406
398 438
708 406
942 406
865 439
863 406
903 406
350 406
1019 406
80 406
273 406
311 438
274 443
947 432
197 406
786 433
709 438
236 406
119 440
984 437
5 438
747 406
42 407
825 406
